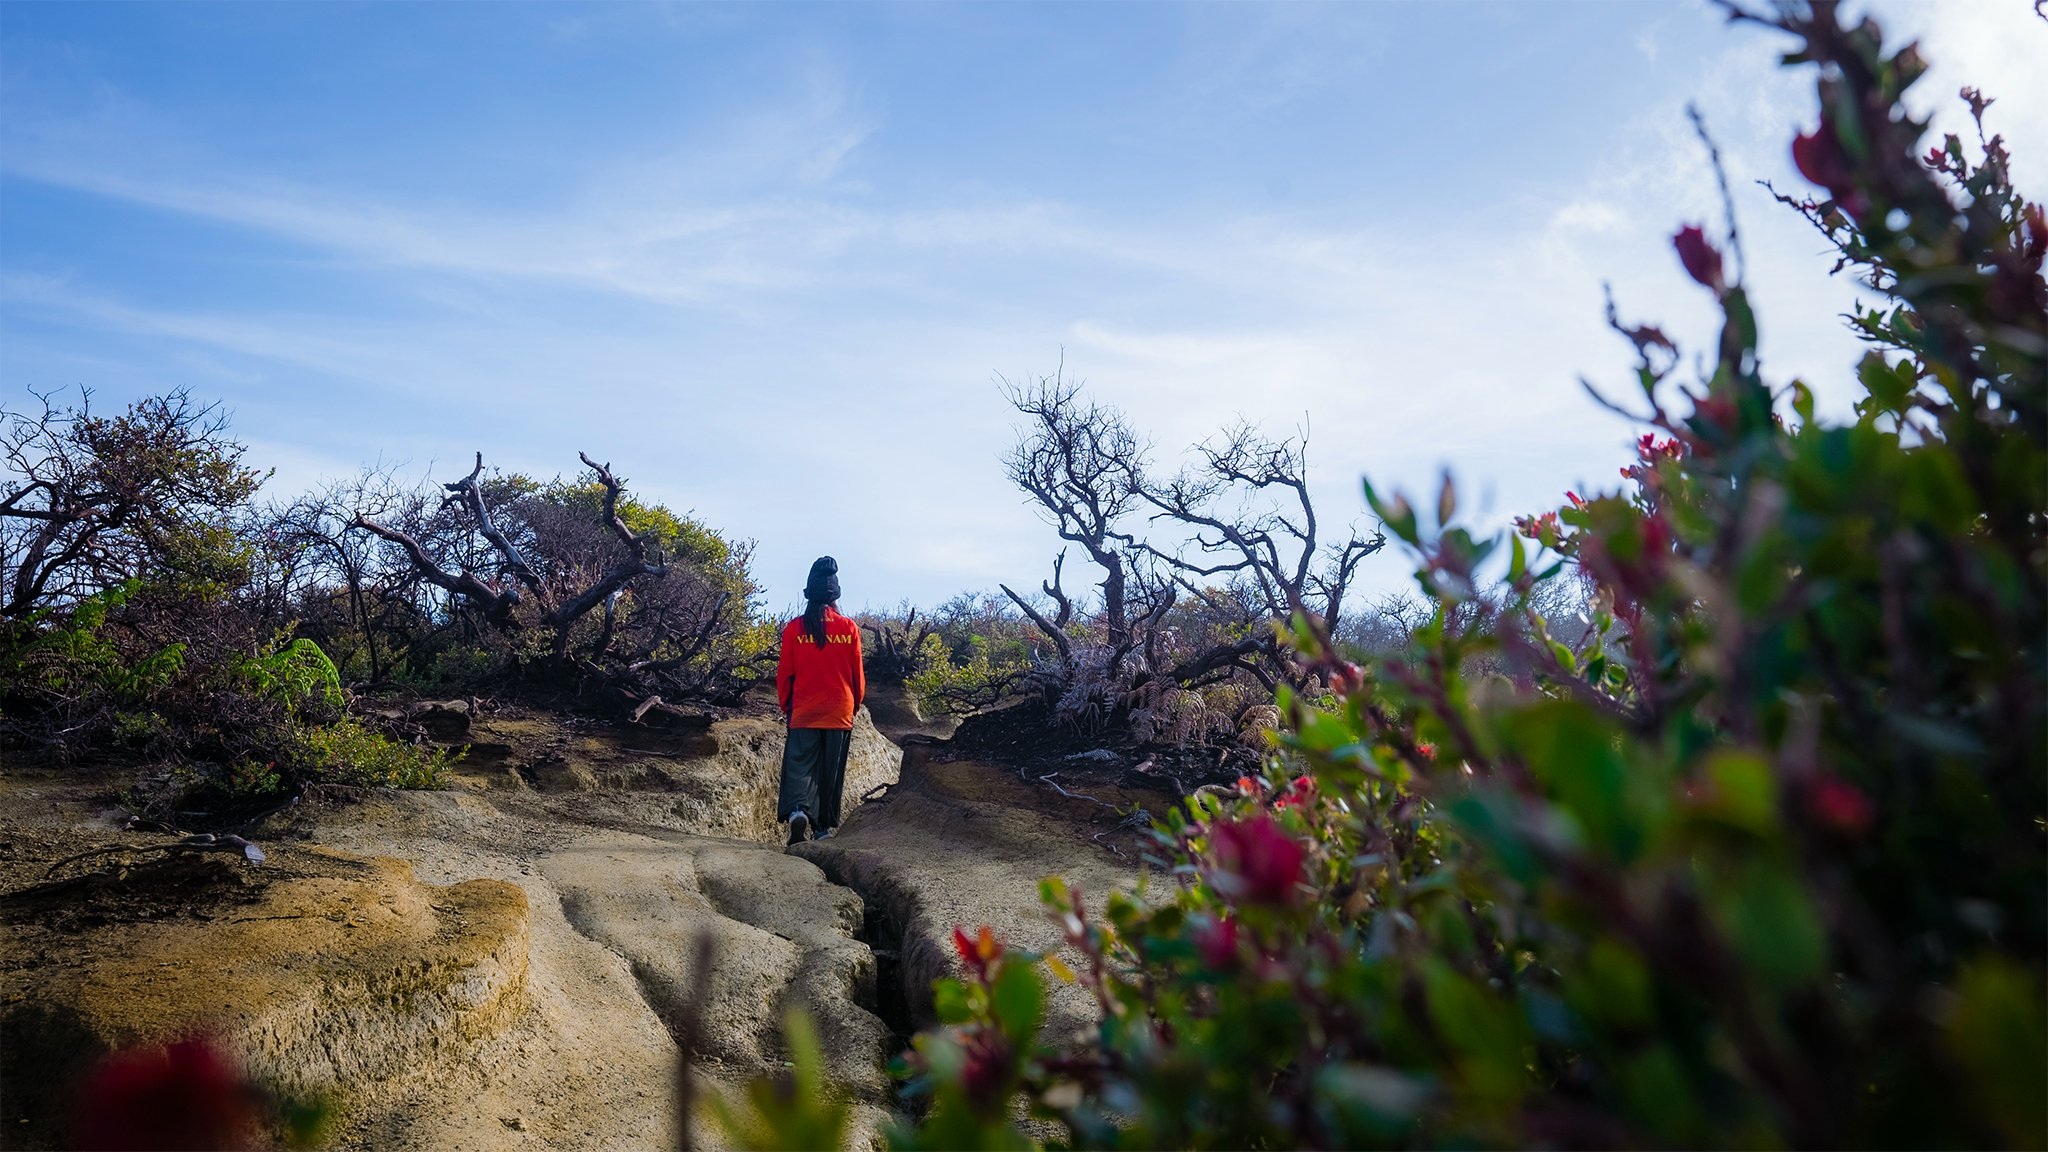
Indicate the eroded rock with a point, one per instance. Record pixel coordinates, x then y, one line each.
720 780
324 974
783 938
445 721
959 843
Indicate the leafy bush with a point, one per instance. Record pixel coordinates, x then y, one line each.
1757 860
66 663
298 675
501 582
134 616
89 501
149 605
345 752
946 685
233 726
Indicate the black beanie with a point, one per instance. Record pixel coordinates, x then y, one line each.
823 586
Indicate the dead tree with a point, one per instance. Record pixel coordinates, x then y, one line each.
894 655
1252 525
1243 550
1083 466
335 586
1054 629
497 597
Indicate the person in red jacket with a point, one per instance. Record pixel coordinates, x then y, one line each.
820 684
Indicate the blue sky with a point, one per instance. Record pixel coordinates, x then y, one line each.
770 261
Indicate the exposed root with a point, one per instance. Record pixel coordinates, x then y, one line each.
203 842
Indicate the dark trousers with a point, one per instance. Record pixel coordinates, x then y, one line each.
814 774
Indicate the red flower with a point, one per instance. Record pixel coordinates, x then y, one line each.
1701 259
1837 805
1656 542
1256 861
1715 412
1302 791
1574 498
186 1095
978 952
1216 944
1246 786
1345 678
1543 528
1649 448
1820 160
1427 749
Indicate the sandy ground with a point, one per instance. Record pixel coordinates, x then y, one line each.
615 916
498 965
506 964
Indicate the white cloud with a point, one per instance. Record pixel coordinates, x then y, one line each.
738 323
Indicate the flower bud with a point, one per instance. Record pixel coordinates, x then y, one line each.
183 1095
1256 861
1701 259
1839 807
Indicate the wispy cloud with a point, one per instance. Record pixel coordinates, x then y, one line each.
761 317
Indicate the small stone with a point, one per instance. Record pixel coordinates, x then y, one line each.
515 1123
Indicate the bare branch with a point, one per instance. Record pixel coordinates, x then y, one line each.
471 495
1052 632
696 644
496 603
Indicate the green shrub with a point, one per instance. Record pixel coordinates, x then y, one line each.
1756 861
345 752
943 685
67 654
298 675
234 726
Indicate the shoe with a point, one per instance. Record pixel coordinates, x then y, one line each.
799 826
825 835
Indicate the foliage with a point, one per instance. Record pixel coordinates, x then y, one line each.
233 725
345 752
147 628
509 581
947 685
88 501
67 658
1754 858
971 652
149 604
298 675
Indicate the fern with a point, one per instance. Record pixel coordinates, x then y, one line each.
299 675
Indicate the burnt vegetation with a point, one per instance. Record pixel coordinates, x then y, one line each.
1160 623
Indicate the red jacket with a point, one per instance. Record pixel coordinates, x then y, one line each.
821 687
